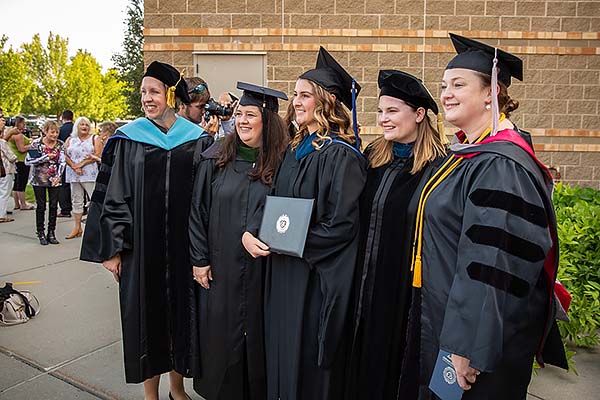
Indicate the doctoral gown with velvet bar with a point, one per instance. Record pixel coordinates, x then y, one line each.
489 256
383 282
307 327
230 313
140 210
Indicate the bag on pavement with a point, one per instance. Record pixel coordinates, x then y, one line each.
17 307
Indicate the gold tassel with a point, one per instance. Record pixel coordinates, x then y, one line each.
171 92
417 281
171 96
440 127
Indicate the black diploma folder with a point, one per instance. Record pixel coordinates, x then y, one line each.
285 224
443 381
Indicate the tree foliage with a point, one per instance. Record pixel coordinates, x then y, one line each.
41 79
130 62
13 79
47 66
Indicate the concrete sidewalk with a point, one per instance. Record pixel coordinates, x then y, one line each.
72 350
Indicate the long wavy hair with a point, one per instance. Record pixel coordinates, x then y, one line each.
429 145
331 117
275 141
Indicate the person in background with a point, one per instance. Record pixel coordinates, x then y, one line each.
8 168
400 161
47 157
64 193
486 250
81 168
194 111
307 298
137 227
105 131
19 144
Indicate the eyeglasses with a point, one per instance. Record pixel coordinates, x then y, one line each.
199 89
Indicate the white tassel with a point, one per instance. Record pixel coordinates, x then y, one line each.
495 107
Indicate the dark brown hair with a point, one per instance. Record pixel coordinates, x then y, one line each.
275 140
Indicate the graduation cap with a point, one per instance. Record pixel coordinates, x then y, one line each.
331 76
260 96
479 57
169 75
406 87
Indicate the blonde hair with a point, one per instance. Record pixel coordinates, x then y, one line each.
428 146
330 115
75 132
48 124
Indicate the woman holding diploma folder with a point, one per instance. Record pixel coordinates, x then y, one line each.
306 298
229 190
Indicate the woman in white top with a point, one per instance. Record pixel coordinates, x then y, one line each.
81 168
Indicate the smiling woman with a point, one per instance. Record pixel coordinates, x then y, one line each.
229 192
137 228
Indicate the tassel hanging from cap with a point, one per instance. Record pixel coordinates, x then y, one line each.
354 116
495 106
171 92
440 127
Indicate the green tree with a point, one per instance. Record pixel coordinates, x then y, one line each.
130 62
47 66
14 84
88 92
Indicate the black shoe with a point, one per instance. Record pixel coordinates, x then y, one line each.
42 237
51 238
64 215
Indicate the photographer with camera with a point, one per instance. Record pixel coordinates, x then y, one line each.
19 144
7 172
215 117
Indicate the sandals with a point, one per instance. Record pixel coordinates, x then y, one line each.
74 234
6 219
30 207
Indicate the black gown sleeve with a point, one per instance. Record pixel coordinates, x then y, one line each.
331 241
200 213
109 227
504 241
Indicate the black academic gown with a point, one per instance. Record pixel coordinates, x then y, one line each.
489 249
383 282
140 210
230 313
306 299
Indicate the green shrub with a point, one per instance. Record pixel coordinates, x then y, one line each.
578 224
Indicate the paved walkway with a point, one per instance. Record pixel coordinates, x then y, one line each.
72 350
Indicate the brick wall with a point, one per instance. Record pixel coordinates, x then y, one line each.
559 42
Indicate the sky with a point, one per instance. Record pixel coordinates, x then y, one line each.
94 25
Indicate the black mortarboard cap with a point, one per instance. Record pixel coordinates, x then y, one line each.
405 87
260 96
479 57
169 75
331 76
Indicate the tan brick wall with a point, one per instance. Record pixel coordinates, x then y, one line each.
559 42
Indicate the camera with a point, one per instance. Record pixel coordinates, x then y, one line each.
214 108
10 121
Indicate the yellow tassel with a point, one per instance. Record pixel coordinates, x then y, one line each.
440 127
171 93
417 281
171 96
